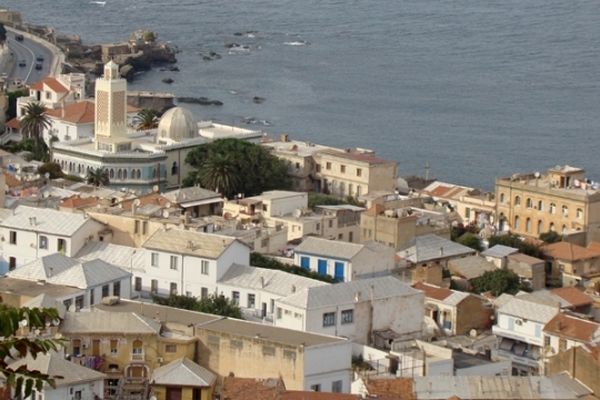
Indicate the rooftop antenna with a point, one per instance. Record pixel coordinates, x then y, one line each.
427 168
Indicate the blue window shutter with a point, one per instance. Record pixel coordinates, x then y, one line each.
339 271
305 262
322 266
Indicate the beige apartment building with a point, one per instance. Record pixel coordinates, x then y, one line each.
560 200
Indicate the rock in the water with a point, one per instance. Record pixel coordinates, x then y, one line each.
168 80
203 101
238 34
231 45
127 71
174 69
258 99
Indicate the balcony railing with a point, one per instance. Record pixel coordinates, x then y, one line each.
137 356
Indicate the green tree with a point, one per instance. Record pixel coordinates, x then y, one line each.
321 199
470 240
235 166
550 237
98 177
497 282
2 33
52 168
460 229
515 241
14 347
33 123
213 304
146 119
11 111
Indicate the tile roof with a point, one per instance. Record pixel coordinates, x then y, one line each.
14 124
354 155
62 270
470 267
12 181
54 365
569 251
345 292
573 328
250 389
78 202
46 220
431 247
268 280
391 389
52 83
309 395
101 322
499 251
524 258
191 194
145 200
329 248
183 372
574 296
529 309
447 296
192 243
82 112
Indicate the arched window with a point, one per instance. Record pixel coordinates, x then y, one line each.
563 229
528 225
174 168
516 224
540 226
552 226
579 213
125 174
502 199
111 173
139 174
517 200
120 174
529 203
540 205
552 209
153 172
565 211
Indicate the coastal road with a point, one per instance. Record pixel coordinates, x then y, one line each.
27 50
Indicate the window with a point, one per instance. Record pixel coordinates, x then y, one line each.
92 299
204 267
297 165
268 350
529 203
236 344
136 228
347 316
339 271
43 242
540 226
174 168
289 354
279 313
322 267
251 300
235 296
350 236
546 340
154 286
358 172
340 236
173 288
315 388
467 213
76 347
67 303
565 211
78 303
13 237
517 223
540 205
502 198
343 169
62 246
528 225
173 263
330 223
328 319
113 346
552 228
203 293
318 227
517 200
579 213
304 262
318 167
144 227
105 291
154 260
138 284
552 209
171 348
358 189
12 263
328 165
336 386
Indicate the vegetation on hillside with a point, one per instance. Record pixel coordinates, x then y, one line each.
498 282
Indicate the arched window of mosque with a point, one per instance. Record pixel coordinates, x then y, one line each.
565 211
552 226
124 174
154 172
517 200
111 173
552 208
540 205
540 226
120 174
174 168
529 203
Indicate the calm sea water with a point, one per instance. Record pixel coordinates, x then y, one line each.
476 88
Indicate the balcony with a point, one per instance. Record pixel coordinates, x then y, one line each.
137 356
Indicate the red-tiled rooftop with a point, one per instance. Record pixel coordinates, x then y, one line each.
79 202
574 296
52 83
11 180
14 124
82 112
150 198
390 389
434 292
572 327
524 258
569 251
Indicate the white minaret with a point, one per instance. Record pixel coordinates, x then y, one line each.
111 104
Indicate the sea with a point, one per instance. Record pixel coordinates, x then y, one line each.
466 90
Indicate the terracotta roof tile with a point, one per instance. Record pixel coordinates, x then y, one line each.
306 395
391 389
524 258
14 124
569 251
440 191
52 83
572 327
132 109
251 389
574 296
11 180
148 199
594 246
82 112
79 202
434 292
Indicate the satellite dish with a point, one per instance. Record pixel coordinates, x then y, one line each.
473 333
168 205
137 202
165 214
297 213
576 183
537 174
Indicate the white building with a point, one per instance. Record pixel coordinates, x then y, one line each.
97 279
344 261
256 290
53 92
520 325
356 310
187 262
75 382
30 233
565 331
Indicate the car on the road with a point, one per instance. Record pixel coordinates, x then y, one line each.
39 58
19 37
22 63
38 66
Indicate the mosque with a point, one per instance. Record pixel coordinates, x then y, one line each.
138 160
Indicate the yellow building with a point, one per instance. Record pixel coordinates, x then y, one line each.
182 379
561 200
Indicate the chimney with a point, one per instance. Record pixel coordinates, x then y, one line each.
284 137
558 325
262 281
62 110
356 297
293 288
441 251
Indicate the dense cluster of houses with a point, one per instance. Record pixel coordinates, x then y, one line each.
396 319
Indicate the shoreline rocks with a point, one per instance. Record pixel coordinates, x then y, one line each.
203 101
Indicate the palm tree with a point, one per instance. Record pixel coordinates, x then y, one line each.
98 177
33 123
146 119
219 173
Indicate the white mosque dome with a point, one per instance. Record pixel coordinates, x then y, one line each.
178 124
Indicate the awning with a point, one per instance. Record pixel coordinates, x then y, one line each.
506 344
